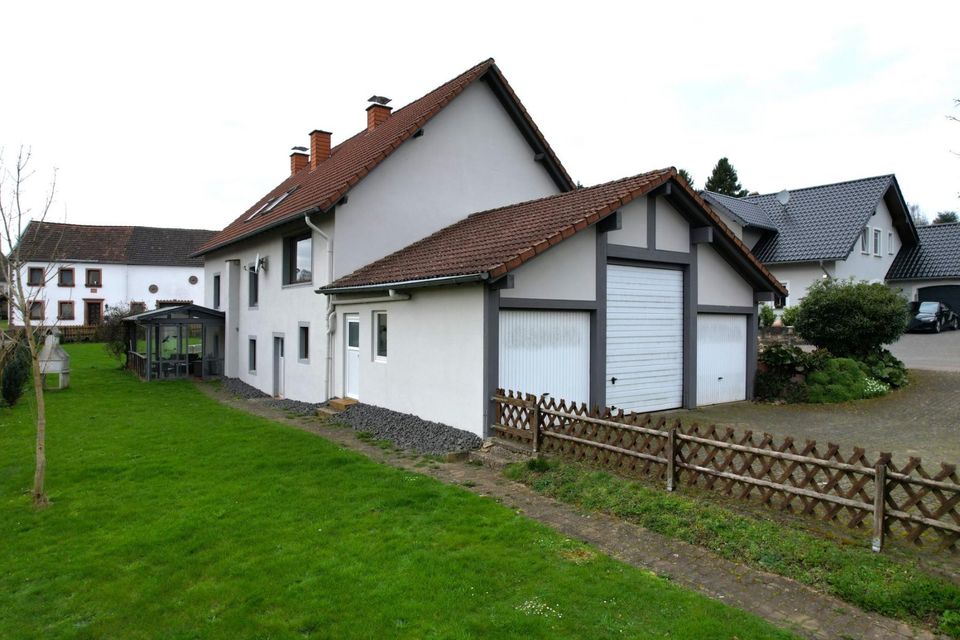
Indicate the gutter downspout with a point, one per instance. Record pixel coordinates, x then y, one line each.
330 326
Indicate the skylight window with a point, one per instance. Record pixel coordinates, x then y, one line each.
269 205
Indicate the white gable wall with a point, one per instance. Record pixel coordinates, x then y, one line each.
869 267
471 157
566 271
718 283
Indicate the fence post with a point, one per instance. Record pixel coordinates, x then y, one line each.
533 418
671 459
879 504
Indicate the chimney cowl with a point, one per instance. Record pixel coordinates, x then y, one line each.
377 112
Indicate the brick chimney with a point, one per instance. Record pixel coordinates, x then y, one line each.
377 112
298 160
319 147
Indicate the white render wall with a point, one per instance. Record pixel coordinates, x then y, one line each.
566 271
434 364
872 268
633 225
122 284
470 158
798 277
718 283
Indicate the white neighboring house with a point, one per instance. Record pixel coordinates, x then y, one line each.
368 273
76 273
848 229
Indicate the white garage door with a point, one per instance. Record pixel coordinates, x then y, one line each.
644 338
721 358
546 352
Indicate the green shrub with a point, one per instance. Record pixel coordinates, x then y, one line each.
782 375
886 368
851 319
950 623
840 380
874 388
789 316
15 375
767 316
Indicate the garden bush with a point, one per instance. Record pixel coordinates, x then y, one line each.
789 316
886 368
782 372
15 374
851 319
767 316
840 380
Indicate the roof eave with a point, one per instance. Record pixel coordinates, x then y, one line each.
406 284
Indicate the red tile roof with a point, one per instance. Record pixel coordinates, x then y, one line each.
351 160
497 241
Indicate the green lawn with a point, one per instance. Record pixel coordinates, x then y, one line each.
175 517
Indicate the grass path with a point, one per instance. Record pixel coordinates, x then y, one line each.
175 517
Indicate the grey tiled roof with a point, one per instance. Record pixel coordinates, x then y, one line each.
749 213
937 255
818 223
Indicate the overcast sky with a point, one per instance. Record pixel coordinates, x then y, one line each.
183 114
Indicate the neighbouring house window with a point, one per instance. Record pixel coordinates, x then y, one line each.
252 355
35 277
216 292
298 259
786 298
137 307
865 240
65 278
380 336
36 310
253 286
304 342
65 310
890 242
94 278
877 240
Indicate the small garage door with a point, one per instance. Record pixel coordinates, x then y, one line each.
721 358
546 352
943 293
644 338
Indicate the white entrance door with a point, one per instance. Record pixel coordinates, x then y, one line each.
351 356
278 368
546 352
644 338
721 358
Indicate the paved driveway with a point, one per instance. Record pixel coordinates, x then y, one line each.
936 351
922 419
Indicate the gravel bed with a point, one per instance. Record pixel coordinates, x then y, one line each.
294 406
241 389
407 431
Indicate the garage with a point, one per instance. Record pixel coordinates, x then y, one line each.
546 352
721 365
950 294
644 338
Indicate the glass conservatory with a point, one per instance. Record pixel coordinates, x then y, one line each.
176 342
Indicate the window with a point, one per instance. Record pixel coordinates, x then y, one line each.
94 278
35 277
65 278
380 336
253 286
137 307
216 291
36 310
252 355
270 204
877 241
298 259
65 310
890 242
304 342
865 240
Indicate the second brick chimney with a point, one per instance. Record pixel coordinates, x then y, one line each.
377 112
298 160
319 147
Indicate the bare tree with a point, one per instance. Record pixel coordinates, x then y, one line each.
15 216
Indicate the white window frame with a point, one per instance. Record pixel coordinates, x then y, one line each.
877 242
889 243
865 241
376 335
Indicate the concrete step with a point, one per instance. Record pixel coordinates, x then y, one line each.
341 404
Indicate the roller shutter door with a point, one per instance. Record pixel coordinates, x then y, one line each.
721 358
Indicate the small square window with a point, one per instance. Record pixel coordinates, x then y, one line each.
65 310
65 278
36 311
216 291
380 335
252 355
304 353
35 277
94 278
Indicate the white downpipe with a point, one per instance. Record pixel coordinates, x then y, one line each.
330 325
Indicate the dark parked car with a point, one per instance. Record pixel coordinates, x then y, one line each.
932 316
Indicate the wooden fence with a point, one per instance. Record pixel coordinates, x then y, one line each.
137 363
811 480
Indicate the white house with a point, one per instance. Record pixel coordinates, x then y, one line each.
848 229
75 273
443 252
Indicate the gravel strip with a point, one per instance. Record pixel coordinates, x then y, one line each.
407 431
294 406
241 389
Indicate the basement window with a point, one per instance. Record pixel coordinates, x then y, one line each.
252 355
304 351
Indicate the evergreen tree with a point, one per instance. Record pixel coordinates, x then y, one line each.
724 180
686 176
945 216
